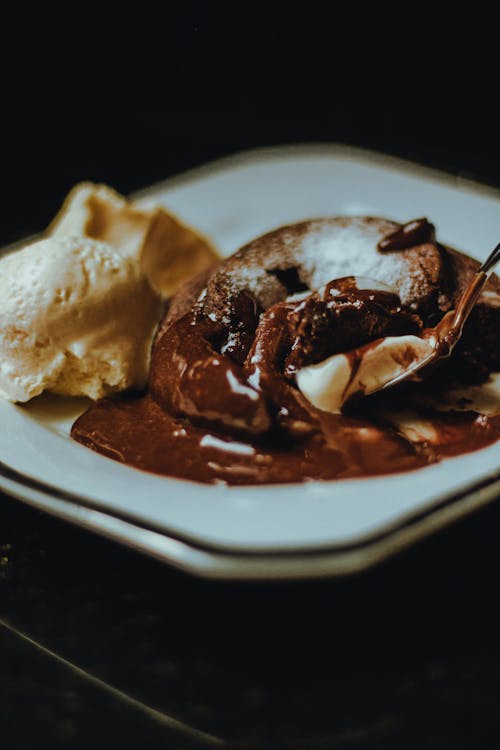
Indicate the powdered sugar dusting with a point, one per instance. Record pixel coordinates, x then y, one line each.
333 250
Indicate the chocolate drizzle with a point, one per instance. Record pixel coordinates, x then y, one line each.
415 232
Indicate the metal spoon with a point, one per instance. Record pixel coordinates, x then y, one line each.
347 377
444 337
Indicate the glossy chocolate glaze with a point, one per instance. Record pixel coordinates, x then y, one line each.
223 405
138 432
415 232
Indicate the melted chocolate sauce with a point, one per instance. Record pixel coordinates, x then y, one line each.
138 432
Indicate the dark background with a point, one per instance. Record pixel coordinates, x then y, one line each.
143 96
405 656
51 142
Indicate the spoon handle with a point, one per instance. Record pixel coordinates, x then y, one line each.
470 295
449 330
491 261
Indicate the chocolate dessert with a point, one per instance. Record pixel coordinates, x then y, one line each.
224 401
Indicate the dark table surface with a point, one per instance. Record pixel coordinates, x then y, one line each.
99 644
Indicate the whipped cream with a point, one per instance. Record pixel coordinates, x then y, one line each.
331 383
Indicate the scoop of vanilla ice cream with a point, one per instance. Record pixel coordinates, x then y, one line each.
331 383
76 318
166 249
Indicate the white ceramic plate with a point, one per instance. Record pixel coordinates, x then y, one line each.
314 529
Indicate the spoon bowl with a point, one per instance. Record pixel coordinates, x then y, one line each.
443 338
347 377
